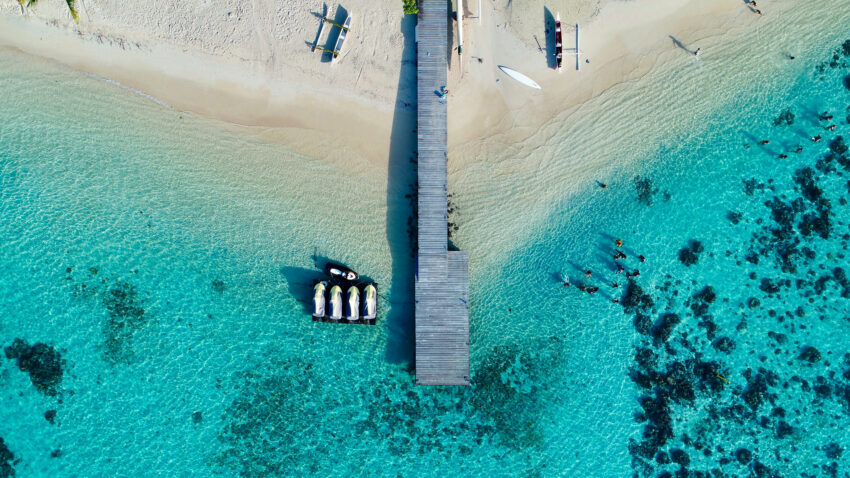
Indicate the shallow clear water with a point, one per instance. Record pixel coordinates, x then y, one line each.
167 261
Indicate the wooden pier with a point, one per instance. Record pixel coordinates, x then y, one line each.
442 278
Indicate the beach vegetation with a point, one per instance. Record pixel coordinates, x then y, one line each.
410 7
73 10
70 3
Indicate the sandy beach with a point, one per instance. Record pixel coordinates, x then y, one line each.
252 64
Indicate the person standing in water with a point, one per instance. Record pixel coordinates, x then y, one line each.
696 52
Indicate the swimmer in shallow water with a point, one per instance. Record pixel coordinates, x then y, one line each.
816 138
618 243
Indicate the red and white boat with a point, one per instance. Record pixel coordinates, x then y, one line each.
559 47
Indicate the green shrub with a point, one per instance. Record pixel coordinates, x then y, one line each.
410 7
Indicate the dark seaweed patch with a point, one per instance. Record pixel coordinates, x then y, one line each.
126 317
786 118
7 461
42 362
125 307
50 416
645 190
278 423
689 255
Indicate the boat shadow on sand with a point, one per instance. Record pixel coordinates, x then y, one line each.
333 30
549 24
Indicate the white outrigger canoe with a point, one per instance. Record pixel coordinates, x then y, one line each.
340 39
520 77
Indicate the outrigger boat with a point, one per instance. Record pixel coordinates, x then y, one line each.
353 303
336 302
370 303
319 300
336 270
559 47
343 30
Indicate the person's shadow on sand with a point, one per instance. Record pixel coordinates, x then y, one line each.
680 44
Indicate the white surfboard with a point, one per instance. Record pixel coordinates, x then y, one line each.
520 77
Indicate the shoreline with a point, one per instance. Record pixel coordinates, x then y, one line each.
276 105
511 148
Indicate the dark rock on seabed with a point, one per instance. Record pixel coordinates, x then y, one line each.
41 361
7 460
810 354
50 416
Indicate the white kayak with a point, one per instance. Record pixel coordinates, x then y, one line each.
520 77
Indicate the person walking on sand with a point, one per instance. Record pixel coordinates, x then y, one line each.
696 52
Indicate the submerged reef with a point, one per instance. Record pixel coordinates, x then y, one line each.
126 316
287 417
125 307
759 359
42 362
7 461
645 190
786 118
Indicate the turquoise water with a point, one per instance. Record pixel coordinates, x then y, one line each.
163 272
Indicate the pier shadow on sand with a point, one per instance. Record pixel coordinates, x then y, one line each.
401 200
549 25
450 35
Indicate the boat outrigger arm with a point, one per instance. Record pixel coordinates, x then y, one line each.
332 52
337 24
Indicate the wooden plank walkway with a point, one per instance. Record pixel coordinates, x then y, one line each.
442 278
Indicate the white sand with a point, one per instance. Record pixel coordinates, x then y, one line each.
249 64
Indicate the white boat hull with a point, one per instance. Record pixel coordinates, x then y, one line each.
520 77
